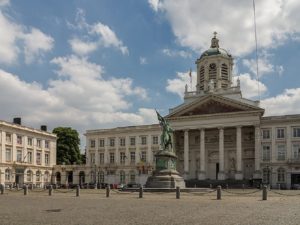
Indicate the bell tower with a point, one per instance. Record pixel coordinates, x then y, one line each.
214 68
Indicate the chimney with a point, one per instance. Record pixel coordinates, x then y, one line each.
43 127
17 120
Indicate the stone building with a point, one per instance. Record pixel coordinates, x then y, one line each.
218 135
27 155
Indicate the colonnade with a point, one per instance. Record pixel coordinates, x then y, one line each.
202 173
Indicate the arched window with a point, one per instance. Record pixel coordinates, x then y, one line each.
224 72
92 176
7 174
212 71
46 176
122 177
266 175
281 175
29 176
132 176
201 72
81 177
38 176
101 177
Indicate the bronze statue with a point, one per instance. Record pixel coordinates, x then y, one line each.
165 138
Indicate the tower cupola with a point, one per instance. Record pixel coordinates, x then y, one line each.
214 68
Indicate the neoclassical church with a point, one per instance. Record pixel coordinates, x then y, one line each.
218 135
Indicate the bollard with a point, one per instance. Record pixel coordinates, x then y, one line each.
243 187
219 193
279 187
210 186
141 192
107 191
17 186
77 191
177 192
25 190
226 186
50 190
2 189
264 193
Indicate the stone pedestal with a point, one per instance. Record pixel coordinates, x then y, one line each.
165 174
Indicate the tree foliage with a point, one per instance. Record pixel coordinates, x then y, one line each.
68 142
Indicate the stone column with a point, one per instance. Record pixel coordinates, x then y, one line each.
273 147
202 173
257 172
221 174
239 173
186 154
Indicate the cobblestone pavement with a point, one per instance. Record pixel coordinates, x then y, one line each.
92 207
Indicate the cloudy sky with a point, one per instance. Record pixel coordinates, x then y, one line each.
106 63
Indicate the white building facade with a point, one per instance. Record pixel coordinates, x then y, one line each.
27 155
218 135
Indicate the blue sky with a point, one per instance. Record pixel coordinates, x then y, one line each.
106 63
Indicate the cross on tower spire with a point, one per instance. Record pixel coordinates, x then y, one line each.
214 41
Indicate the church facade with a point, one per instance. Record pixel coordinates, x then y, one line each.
218 135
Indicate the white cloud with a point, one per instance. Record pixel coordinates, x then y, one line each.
108 37
283 104
193 22
264 65
105 35
35 44
79 97
249 86
4 2
14 39
82 48
177 85
155 4
143 61
175 53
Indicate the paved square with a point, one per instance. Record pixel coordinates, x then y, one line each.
92 207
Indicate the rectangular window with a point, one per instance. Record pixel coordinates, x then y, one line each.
132 141
122 158
38 143
122 142
29 157
47 144
144 140
8 138
143 156
29 141
92 158
132 157
266 153
92 143
19 139
38 158
19 155
296 132
101 143
101 156
112 142
296 151
47 159
112 157
155 140
8 154
280 133
266 134
281 152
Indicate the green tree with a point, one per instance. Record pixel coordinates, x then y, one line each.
68 142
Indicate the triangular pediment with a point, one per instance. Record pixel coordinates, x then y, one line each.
212 104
